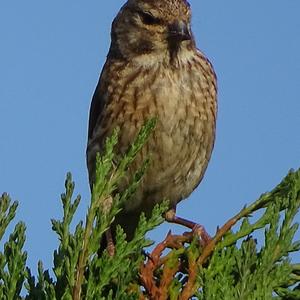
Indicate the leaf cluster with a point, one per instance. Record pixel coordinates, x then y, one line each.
231 265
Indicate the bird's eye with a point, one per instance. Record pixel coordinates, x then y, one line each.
148 18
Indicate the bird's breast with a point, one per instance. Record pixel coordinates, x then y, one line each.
180 147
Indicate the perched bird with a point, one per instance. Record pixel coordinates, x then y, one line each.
153 69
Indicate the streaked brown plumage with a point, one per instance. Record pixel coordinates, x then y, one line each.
153 69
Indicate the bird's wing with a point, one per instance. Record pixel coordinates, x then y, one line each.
96 109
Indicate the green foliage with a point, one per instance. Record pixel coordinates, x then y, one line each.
252 273
13 258
232 265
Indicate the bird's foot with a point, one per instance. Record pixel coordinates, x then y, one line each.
197 229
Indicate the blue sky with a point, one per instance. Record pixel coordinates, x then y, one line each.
50 58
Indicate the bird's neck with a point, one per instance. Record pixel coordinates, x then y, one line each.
150 60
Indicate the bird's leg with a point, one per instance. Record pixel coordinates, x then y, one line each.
197 229
110 243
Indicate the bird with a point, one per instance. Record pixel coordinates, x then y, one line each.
154 70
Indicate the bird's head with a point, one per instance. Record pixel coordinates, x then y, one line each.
151 27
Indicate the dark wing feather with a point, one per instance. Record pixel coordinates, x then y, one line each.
97 111
96 108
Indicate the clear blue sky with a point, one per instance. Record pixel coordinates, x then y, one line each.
50 57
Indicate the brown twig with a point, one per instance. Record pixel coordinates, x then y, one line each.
167 277
160 292
192 274
191 287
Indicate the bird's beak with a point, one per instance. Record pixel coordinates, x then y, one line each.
179 31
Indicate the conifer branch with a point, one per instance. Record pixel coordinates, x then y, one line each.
232 265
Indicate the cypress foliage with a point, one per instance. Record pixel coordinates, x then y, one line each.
232 265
